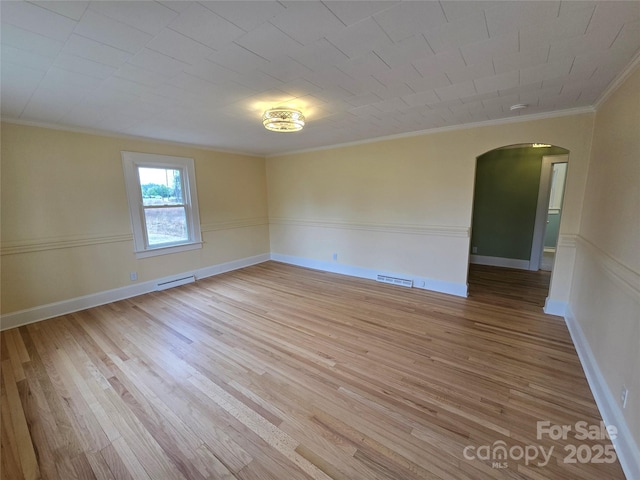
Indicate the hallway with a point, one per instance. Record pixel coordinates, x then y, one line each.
508 287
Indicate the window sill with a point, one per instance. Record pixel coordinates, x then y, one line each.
154 252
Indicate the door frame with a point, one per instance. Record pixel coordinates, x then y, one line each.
544 192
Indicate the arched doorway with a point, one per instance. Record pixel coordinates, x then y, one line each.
511 213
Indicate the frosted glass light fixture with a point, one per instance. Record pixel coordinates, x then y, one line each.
283 120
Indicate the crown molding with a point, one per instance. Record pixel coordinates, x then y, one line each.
104 133
450 128
619 80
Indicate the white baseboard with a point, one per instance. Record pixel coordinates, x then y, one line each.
232 265
555 307
31 315
500 262
627 450
424 283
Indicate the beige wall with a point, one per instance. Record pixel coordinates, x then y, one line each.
605 297
400 205
65 222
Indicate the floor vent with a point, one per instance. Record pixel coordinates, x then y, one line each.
175 283
403 282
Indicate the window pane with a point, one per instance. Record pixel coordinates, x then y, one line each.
166 225
161 186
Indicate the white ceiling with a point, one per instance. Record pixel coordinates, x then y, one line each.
204 72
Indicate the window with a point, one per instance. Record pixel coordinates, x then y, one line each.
163 203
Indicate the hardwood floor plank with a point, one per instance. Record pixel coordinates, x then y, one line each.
313 457
20 429
99 467
211 466
123 461
279 372
274 437
177 441
82 468
58 430
78 397
377 452
10 343
11 466
257 471
188 412
141 441
42 425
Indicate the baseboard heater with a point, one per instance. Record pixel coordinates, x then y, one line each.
176 282
403 282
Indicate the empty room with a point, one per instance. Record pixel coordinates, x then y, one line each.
335 240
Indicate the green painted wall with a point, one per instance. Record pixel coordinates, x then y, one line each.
505 201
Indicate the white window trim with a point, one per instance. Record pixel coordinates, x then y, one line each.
130 162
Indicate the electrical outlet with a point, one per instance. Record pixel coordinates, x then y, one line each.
335 257
474 249
624 395
133 276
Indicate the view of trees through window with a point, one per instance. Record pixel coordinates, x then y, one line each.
164 206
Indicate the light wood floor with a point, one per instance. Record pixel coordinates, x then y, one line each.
278 372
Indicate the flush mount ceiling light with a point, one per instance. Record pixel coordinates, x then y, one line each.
283 120
518 106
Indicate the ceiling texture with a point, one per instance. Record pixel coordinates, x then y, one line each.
204 72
